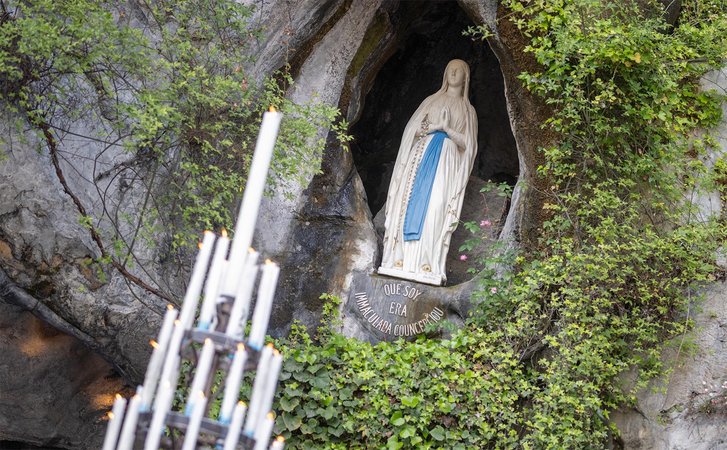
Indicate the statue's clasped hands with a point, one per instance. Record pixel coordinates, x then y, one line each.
442 124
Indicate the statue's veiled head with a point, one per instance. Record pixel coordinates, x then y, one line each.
455 71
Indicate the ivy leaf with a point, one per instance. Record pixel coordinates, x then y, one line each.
437 433
292 422
289 404
393 443
407 432
410 401
329 413
397 419
336 431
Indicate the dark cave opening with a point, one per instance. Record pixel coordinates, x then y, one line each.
427 36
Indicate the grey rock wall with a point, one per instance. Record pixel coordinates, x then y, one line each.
688 408
45 400
45 251
84 325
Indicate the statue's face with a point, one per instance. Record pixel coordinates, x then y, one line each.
455 75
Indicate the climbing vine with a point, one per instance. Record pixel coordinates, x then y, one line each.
618 264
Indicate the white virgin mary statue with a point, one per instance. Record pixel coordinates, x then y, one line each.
427 187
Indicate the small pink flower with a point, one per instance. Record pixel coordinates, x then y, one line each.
493 290
485 223
463 257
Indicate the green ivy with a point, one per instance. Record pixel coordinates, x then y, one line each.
344 393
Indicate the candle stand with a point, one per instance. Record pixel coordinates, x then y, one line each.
221 288
211 430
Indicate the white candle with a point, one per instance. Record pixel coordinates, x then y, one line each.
171 362
116 416
271 382
263 366
128 432
233 432
157 356
232 384
191 298
195 420
162 404
202 374
240 309
278 443
173 375
262 434
246 218
231 281
211 288
261 316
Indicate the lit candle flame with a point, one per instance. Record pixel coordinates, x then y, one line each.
251 250
199 245
153 343
271 416
111 415
280 439
267 261
223 232
170 306
272 109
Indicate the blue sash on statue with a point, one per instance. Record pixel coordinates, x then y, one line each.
416 209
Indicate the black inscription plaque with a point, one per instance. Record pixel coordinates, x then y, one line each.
391 308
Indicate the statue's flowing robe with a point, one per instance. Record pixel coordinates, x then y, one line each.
425 258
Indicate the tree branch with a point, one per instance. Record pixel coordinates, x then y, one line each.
53 150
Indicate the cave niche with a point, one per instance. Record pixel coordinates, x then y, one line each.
423 38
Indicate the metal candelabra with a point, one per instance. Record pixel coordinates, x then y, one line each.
213 341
